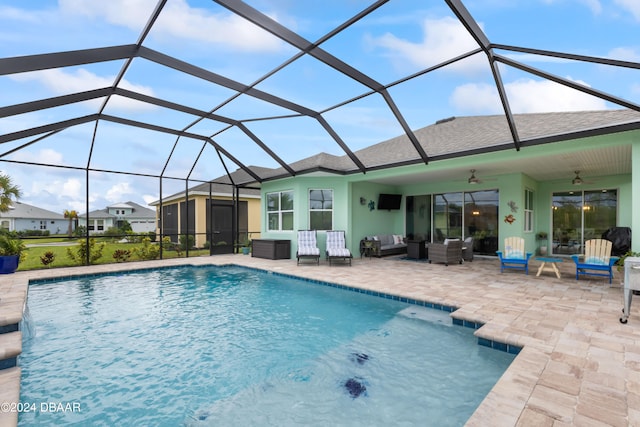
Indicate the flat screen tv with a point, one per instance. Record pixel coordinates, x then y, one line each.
389 202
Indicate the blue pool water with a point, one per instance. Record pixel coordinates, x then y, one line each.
227 346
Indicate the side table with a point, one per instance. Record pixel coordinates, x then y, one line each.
366 248
552 263
416 249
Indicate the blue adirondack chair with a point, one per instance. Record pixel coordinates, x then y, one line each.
597 259
514 256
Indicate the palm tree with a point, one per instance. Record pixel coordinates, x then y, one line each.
7 191
71 216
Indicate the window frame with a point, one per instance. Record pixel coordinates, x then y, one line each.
529 203
321 210
279 211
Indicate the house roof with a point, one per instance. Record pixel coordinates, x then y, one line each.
21 210
222 186
139 211
457 136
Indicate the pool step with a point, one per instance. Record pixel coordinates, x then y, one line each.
10 349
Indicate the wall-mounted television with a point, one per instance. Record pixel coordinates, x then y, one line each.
389 202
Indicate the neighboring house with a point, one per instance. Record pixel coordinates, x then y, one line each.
23 217
575 175
141 219
210 214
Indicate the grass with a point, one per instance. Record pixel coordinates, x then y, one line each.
31 259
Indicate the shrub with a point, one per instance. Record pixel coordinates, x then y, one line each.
79 255
187 241
113 232
32 233
80 231
148 250
121 255
47 258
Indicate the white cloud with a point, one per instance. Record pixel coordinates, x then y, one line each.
442 39
594 5
525 96
72 188
148 198
63 82
15 14
129 13
44 156
625 54
116 192
633 6
179 20
476 98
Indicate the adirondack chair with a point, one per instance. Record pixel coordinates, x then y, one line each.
337 247
597 259
308 246
514 256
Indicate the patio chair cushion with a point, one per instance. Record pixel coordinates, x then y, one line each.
338 252
308 251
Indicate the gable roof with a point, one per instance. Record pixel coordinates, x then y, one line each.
139 211
19 210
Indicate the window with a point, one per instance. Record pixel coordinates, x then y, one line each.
280 211
528 210
100 223
43 225
321 209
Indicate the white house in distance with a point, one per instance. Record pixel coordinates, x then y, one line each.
24 217
142 219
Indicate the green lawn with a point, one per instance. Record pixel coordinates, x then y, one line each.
31 260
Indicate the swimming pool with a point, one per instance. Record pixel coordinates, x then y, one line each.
236 346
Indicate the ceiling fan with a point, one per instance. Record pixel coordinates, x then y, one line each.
473 179
577 180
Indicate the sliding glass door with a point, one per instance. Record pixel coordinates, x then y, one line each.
580 216
455 215
481 220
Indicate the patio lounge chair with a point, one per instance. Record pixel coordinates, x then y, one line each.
308 246
514 256
448 252
597 259
337 247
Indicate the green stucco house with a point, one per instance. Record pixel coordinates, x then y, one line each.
571 177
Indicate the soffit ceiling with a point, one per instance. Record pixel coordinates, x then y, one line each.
178 108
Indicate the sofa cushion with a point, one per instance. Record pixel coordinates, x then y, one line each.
386 239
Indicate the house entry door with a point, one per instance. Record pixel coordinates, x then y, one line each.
220 228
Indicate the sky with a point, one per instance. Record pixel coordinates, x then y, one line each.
399 39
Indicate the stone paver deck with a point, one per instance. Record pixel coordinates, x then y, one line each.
579 365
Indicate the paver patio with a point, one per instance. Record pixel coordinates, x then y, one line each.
579 365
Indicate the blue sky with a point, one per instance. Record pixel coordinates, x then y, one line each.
397 40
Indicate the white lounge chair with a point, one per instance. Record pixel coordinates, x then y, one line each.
308 246
337 247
